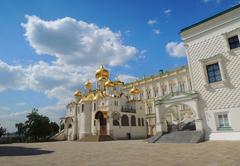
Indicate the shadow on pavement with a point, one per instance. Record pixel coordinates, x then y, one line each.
21 151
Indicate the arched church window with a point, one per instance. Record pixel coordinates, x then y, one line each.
142 122
70 126
115 123
139 122
133 120
125 120
82 107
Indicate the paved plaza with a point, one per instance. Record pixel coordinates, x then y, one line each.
120 153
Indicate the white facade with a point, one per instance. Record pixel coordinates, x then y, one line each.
159 86
105 111
214 69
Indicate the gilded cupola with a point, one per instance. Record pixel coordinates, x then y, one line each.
109 83
102 73
88 85
134 91
77 93
118 83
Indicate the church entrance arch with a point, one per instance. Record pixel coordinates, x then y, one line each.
102 122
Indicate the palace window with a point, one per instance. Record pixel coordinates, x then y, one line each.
213 73
133 120
223 122
182 87
142 122
125 120
139 122
155 92
148 93
233 42
164 89
116 103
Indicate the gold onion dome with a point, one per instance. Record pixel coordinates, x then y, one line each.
77 93
109 83
88 85
101 72
118 83
135 91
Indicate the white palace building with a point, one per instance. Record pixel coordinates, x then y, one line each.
203 96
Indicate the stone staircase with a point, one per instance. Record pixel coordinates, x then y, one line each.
95 138
154 138
178 137
59 136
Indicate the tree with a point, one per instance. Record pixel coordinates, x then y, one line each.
54 127
2 131
37 127
21 129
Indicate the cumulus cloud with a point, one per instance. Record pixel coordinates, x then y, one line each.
127 78
157 31
175 49
152 22
168 12
76 43
12 77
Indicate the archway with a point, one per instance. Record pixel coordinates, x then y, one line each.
178 117
69 128
102 123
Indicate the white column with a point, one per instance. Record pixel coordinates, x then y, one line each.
158 119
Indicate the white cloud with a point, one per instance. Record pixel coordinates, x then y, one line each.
76 43
157 31
175 49
141 55
126 78
168 12
216 1
152 22
12 77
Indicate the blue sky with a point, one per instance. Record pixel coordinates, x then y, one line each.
49 48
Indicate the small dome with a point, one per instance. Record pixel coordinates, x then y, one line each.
109 83
88 85
135 91
102 78
77 93
101 72
118 83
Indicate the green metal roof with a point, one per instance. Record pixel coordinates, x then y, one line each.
210 18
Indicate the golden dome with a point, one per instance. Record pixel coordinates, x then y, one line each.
118 83
102 78
88 85
77 93
109 83
101 72
135 91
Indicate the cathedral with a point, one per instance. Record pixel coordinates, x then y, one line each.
105 112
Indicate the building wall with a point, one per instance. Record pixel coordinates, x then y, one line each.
206 44
157 86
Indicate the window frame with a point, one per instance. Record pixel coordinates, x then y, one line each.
214 70
222 128
229 44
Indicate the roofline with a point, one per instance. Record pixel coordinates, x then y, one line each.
209 18
156 75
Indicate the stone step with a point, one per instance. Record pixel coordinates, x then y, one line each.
95 138
154 138
182 137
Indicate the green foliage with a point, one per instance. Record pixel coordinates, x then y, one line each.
2 131
36 128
